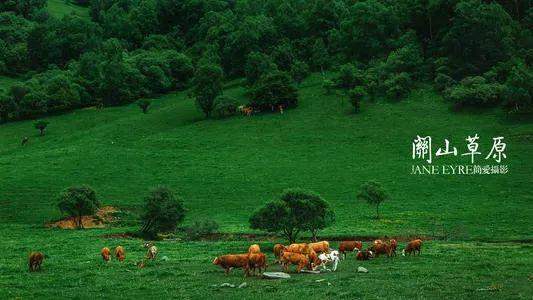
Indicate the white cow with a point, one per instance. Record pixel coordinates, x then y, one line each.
332 257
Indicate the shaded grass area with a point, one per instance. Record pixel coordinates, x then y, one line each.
60 8
74 269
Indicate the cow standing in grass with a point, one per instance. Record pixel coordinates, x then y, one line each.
35 260
413 247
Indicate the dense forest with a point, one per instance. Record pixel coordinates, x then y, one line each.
476 53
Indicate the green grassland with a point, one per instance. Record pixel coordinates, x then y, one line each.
60 8
225 169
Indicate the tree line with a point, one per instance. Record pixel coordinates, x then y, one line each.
476 53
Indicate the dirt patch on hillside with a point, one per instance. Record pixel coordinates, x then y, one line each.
103 216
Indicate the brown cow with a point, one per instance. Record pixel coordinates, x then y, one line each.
413 247
320 247
229 261
292 258
349 246
254 249
106 254
380 248
301 248
35 260
278 250
120 253
257 261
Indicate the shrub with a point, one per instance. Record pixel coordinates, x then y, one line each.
201 228
474 91
78 201
519 88
144 104
162 212
299 70
41 126
272 90
373 193
398 85
349 76
297 210
355 96
225 106
328 86
443 81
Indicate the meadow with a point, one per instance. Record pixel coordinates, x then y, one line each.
60 8
226 168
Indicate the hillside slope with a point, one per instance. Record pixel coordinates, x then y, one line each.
225 169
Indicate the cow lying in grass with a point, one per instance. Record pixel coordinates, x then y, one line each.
349 246
413 247
35 260
329 258
364 255
230 261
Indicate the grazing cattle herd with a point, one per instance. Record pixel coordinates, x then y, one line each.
302 255
311 255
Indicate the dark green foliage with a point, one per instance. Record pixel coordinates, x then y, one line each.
297 210
78 201
225 106
328 86
398 86
355 96
474 91
207 86
519 88
163 210
41 126
299 70
374 194
144 104
201 228
272 90
443 81
257 65
349 76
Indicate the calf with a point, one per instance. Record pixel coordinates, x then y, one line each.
349 246
364 255
254 249
320 247
120 253
329 258
278 250
292 258
152 251
229 261
106 254
35 260
413 247
257 261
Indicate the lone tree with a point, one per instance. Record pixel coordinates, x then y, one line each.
41 125
163 210
78 201
207 86
297 210
374 194
144 105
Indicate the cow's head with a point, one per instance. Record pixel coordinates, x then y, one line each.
148 244
216 261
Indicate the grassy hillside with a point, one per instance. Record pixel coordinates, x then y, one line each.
59 8
225 169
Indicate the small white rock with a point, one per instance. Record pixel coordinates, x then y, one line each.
362 270
243 285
